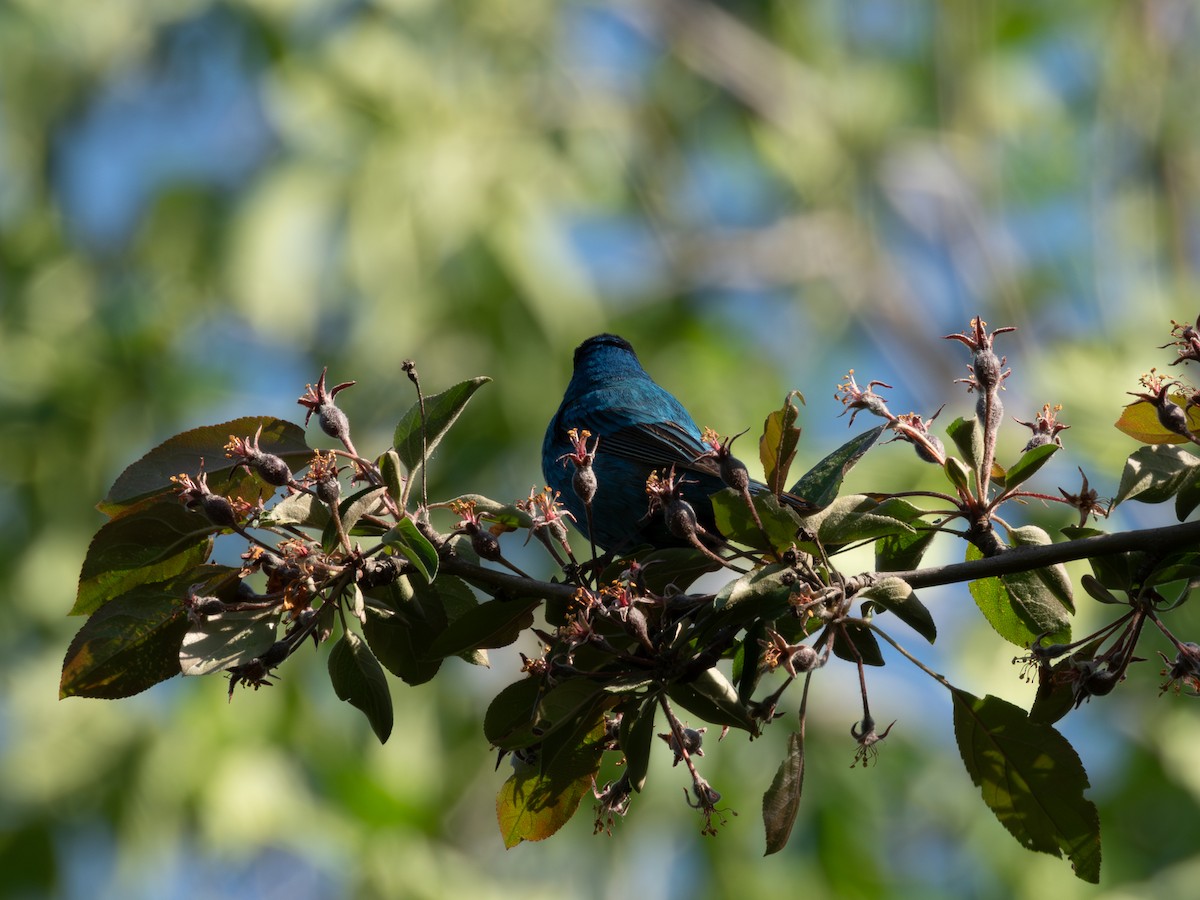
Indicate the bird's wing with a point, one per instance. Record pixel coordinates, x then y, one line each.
661 445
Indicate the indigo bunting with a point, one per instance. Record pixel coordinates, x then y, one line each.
641 428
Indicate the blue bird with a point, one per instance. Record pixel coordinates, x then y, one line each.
641 429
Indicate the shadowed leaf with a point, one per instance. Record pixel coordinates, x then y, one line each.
1031 778
781 802
358 678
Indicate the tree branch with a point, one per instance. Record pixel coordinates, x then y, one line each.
1020 559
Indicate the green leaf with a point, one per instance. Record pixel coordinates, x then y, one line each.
182 453
736 524
401 629
711 697
532 806
297 509
781 802
1140 421
132 642
759 594
904 550
406 539
441 411
1154 474
853 642
1030 462
457 599
151 544
523 716
228 639
1188 498
496 623
1031 778
777 446
967 435
1020 607
1055 577
746 668
359 679
897 596
857 517
820 484
958 474
350 510
636 738
392 471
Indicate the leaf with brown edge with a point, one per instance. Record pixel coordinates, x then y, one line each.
131 642
182 453
777 446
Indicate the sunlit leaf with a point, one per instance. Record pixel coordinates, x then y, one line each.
1154 474
967 435
736 523
820 484
150 544
1055 577
897 597
1019 606
777 446
1027 465
441 412
1140 421
228 639
406 539
1031 778
857 517
297 509
532 806
182 453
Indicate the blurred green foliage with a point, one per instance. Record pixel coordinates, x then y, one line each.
202 203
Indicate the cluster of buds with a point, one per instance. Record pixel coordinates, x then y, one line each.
856 400
332 419
246 453
582 456
1045 427
1187 342
1172 416
194 493
549 520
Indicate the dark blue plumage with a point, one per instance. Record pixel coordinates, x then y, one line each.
642 429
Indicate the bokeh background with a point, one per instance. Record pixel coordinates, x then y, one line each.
202 203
